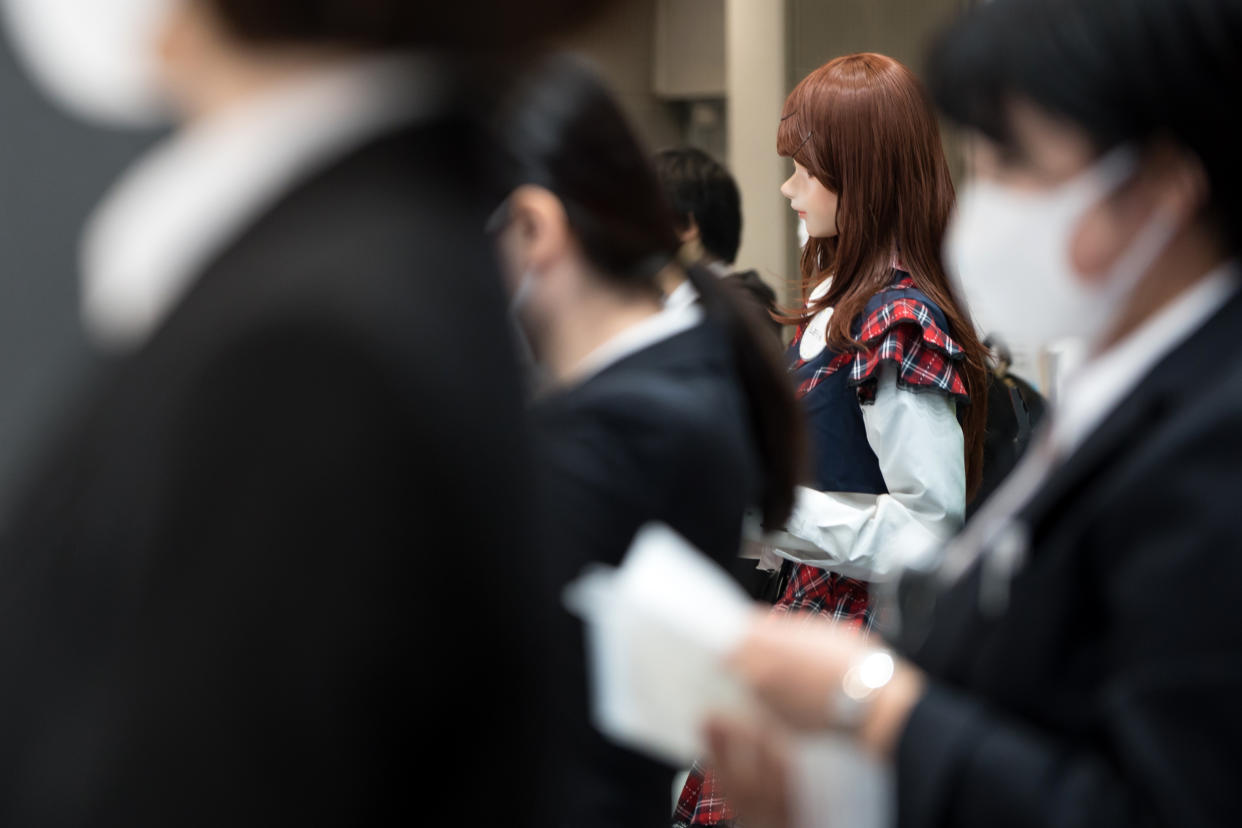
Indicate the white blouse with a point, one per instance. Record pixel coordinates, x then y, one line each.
921 452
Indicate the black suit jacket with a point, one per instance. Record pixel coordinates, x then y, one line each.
662 435
1107 694
224 596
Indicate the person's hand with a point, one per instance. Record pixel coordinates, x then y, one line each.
795 663
751 760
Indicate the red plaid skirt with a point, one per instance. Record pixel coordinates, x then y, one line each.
810 590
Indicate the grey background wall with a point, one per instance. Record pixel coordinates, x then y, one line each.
622 45
820 30
52 171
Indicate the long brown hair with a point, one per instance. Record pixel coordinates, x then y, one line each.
864 127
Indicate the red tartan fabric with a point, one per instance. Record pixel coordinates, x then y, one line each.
835 364
818 591
903 332
701 801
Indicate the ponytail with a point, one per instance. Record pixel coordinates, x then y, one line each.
559 128
775 418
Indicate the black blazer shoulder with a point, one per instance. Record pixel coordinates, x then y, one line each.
674 387
662 435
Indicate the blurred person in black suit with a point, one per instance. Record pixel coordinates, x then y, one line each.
222 588
1073 659
679 414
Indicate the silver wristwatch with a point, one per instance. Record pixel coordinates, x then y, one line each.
869 674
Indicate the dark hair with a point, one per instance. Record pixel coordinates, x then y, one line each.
760 294
699 187
1123 71
864 127
560 129
395 24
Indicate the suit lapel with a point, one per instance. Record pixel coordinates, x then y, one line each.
1166 387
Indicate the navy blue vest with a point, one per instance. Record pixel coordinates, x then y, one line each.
843 459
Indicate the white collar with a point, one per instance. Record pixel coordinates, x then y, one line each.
1093 391
190 197
683 296
656 328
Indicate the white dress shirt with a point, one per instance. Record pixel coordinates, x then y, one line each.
920 448
685 293
190 197
1099 385
683 296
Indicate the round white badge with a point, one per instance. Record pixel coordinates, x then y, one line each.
815 337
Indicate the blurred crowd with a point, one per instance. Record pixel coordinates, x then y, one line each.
405 335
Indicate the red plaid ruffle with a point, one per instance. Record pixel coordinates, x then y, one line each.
903 332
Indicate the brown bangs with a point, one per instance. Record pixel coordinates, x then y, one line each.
794 134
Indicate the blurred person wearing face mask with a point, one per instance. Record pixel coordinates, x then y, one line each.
219 592
653 412
1073 657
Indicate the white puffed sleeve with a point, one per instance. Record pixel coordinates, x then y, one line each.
919 444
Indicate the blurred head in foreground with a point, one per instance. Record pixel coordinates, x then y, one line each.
137 62
1107 174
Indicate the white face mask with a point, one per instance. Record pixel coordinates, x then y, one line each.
97 58
1010 252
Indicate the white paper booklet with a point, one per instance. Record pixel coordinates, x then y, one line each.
659 630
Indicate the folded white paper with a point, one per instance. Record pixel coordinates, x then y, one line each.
658 631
